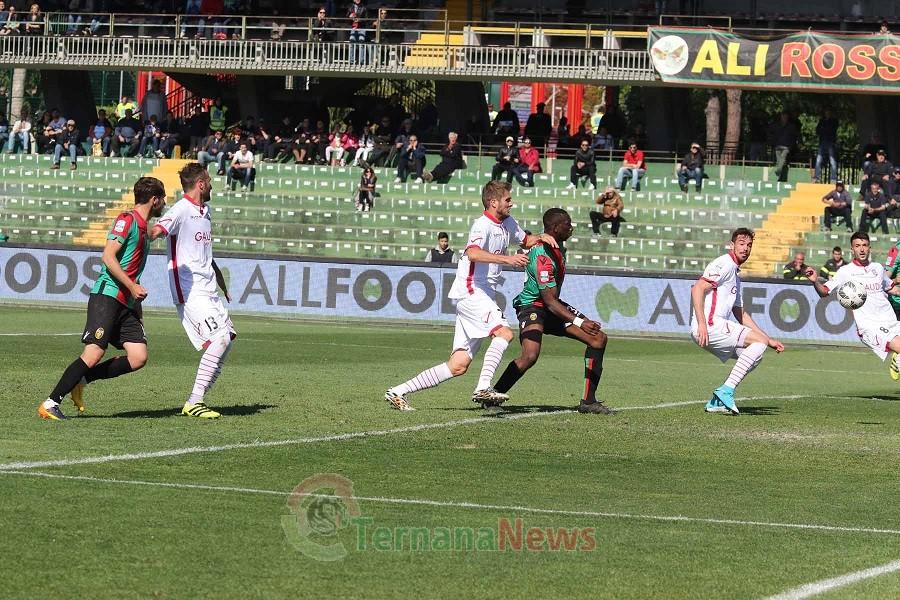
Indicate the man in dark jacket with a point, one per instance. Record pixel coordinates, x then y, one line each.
838 203
797 268
538 127
691 168
451 160
507 122
784 136
878 170
876 207
584 165
507 159
834 263
412 160
67 141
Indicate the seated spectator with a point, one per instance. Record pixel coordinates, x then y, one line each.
602 139
412 160
442 252
43 133
507 159
233 145
124 105
406 130
11 26
832 264
170 135
301 146
876 207
611 205
281 139
584 165
127 136
349 142
838 204
529 164
365 145
334 153
242 168
67 141
101 135
213 152
366 195
20 134
4 130
797 268
878 170
278 27
34 22
691 168
150 137
451 160
633 167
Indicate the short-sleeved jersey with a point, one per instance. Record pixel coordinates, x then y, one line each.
546 269
892 267
722 274
490 235
188 227
877 310
130 230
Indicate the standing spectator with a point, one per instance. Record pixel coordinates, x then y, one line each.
124 105
633 167
507 159
838 204
366 194
529 164
365 145
20 135
357 14
875 207
829 269
127 136
11 26
611 205
691 168
827 129
538 126
584 165
4 129
150 137
412 159
757 134
506 122
380 27
218 115
213 152
170 134
67 141
321 29
442 253
242 168
797 268
101 135
784 136
197 126
492 113
34 22
603 141
563 138
596 117
451 160
154 103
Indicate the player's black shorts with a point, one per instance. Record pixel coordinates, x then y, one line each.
111 322
553 325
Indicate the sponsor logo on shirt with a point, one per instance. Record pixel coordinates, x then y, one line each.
544 276
120 226
203 236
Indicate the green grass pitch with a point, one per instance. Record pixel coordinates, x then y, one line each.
801 487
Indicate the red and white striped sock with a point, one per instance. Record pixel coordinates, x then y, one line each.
747 360
428 378
210 366
492 358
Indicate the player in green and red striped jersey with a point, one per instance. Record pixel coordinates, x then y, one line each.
114 309
540 311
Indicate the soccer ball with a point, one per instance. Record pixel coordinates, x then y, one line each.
851 295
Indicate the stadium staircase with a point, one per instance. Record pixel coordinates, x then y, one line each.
309 211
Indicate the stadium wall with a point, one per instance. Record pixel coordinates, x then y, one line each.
651 305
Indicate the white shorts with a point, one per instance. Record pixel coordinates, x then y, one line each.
477 317
724 338
878 337
205 318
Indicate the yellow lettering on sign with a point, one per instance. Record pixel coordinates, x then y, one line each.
732 67
759 65
708 58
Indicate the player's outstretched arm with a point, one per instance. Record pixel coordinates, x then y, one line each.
111 261
531 239
481 255
551 301
698 294
745 319
220 281
813 276
157 232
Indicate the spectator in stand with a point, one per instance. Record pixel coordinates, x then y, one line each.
875 207
4 15
250 130
124 105
563 138
406 130
11 27
442 252
584 165
451 160
491 113
322 28
603 141
529 164
45 133
349 142
829 269
4 129
596 117
214 152
280 140
197 126
127 136
318 142
4 98
614 122
869 150
242 167
154 103
507 159
797 268
412 160
212 10
878 170
894 189
784 136
365 145
150 138
380 28
170 134
276 33
366 193
757 134
233 144
34 22
218 115
101 135
838 204
300 147
611 205
633 167
827 129
334 153
691 168
20 134
191 16
67 141
507 122
356 13
539 126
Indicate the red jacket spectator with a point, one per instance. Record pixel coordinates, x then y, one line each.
634 158
531 158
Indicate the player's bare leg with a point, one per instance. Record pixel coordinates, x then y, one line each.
530 339
457 365
484 394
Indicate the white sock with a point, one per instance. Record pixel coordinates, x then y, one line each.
491 360
210 366
428 378
48 403
747 360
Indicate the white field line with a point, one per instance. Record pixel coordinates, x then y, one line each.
92 460
467 505
39 334
820 587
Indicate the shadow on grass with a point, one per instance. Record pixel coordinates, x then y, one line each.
239 410
759 411
513 409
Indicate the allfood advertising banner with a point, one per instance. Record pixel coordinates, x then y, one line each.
805 60
633 305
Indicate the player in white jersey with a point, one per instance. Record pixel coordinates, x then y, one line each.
193 277
876 324
474 290
714 299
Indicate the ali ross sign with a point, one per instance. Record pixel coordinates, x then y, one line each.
808 60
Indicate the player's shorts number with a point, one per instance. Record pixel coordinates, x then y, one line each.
211 324
884 330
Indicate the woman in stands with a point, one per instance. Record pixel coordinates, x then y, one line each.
366 197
